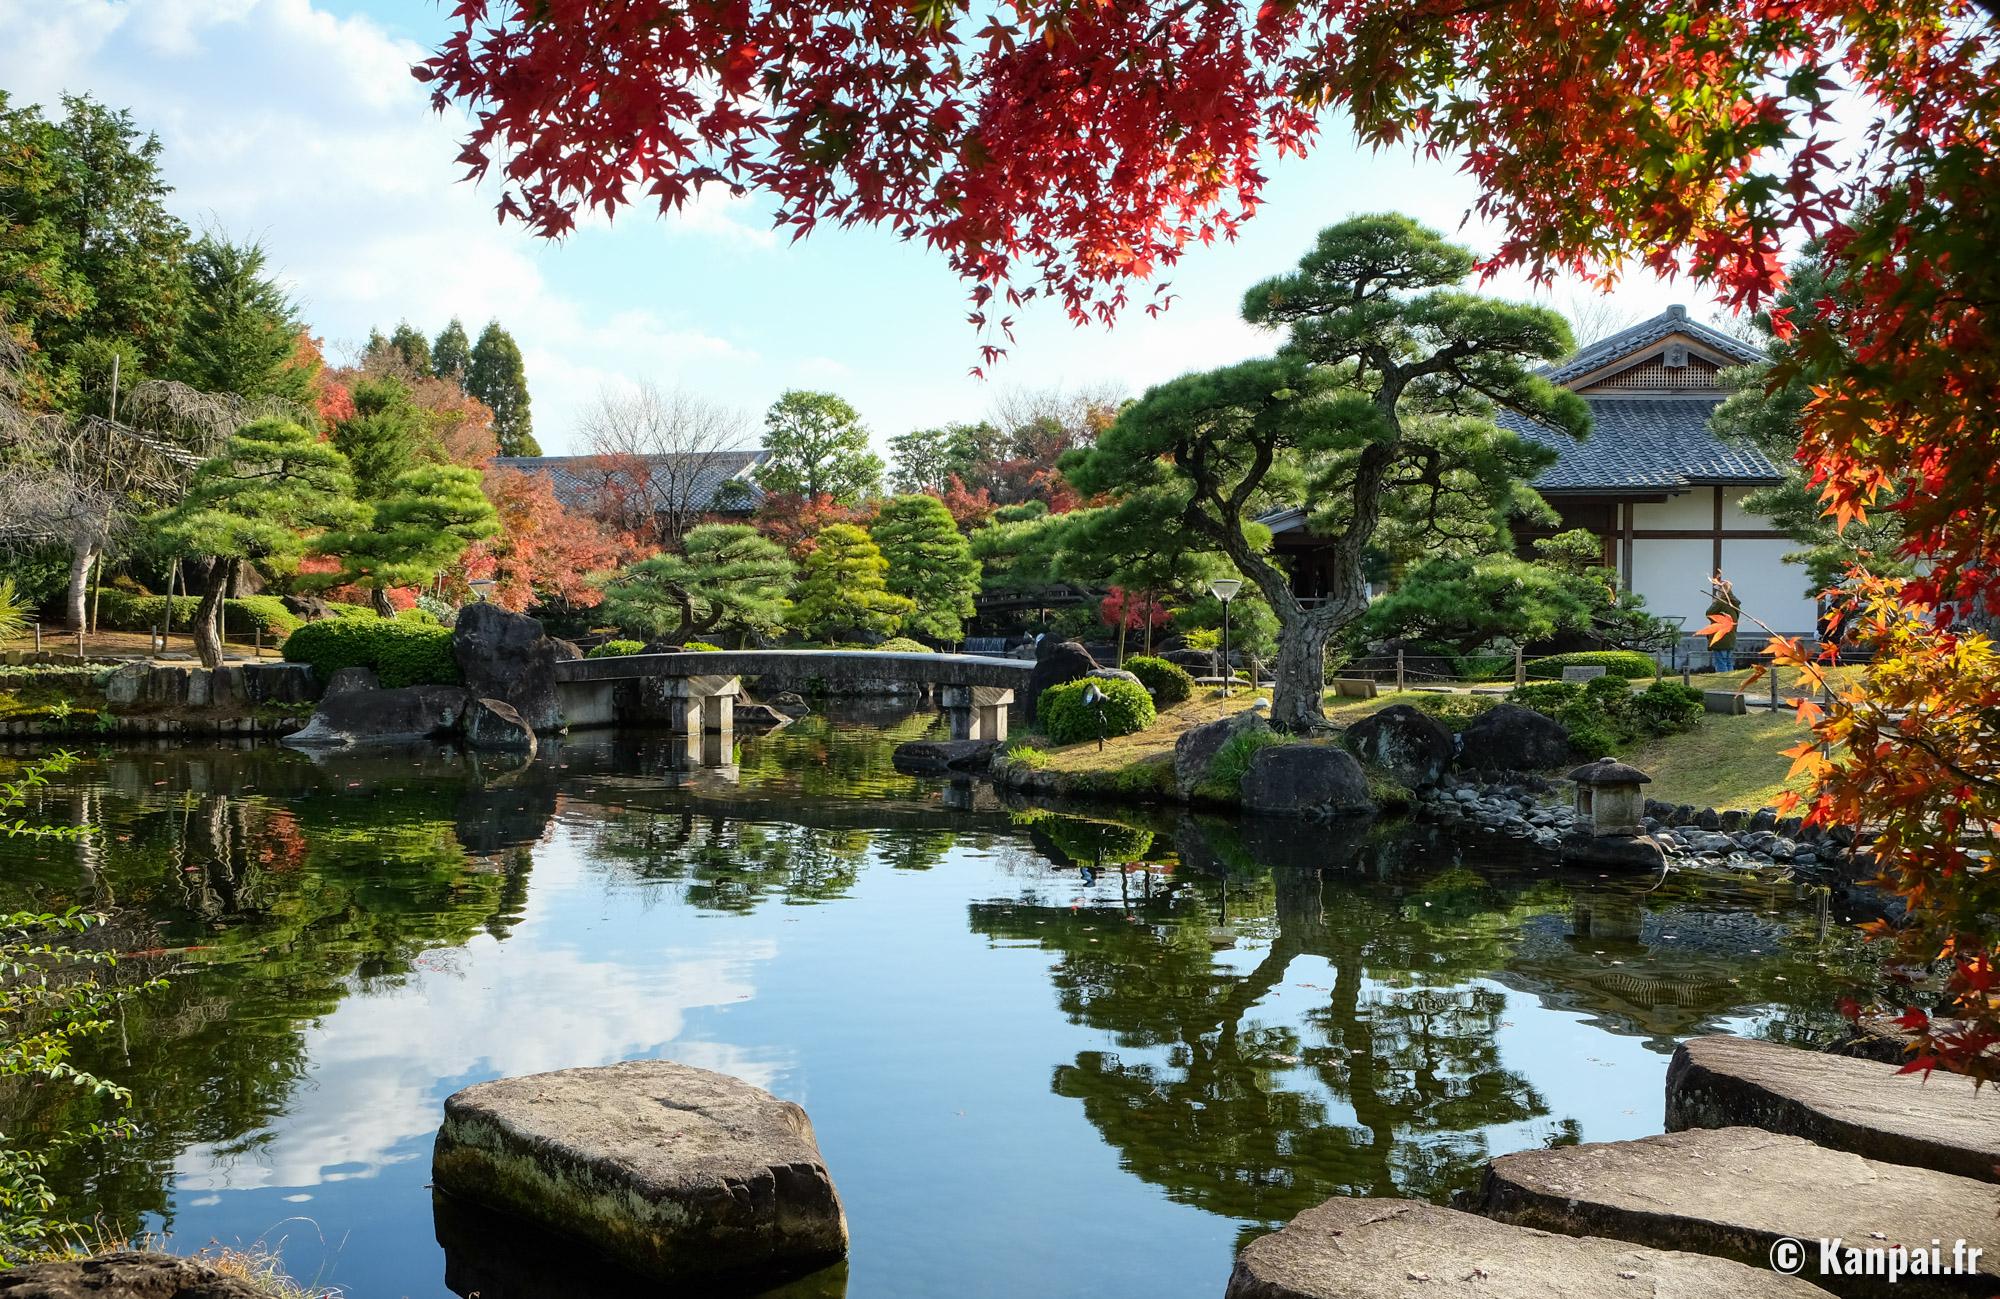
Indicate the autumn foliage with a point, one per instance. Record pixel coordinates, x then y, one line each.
545 552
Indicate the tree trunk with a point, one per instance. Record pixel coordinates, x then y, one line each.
208 615
76 602
1300 676
379 598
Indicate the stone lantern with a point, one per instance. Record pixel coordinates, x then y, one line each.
1608 800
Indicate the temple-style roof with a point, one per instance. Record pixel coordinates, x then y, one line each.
1642 336
576 479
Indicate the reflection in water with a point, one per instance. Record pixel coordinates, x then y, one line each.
994 1013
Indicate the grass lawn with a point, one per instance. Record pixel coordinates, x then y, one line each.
1154 744
1725 762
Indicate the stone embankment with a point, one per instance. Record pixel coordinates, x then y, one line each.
1783 1172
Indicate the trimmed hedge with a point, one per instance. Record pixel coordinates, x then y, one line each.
1066 719
615 649
402 653
1604 713
903 645
124 611
1629 664
1169 682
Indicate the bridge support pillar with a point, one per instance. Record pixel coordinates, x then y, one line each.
976 712
700 705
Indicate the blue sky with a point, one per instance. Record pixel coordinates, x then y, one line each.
296 121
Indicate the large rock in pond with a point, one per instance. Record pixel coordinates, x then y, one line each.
1406 742
1626 852
409 715
507 656
1736 1192
1306 780
1512 738
1195 750
944 757
351 678
1942 1122
1055 663
674 1172
126 1274
1406 1249
494 726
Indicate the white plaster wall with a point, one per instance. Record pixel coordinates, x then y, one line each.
1673 576
1734 516
1772 591
1692 509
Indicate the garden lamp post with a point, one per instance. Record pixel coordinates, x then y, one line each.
481 588
1093 699
1225 589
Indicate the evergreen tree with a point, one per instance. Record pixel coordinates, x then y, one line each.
88 251
242 331
451 354
421 527
845 588
929 562
497 377
923 458
729 577
818 447
274 484
383 438
411 348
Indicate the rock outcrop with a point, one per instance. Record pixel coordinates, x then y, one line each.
944 757
677 1173
127 1274
1056 662
1406 742
494 726
409 715
507 656
1306 780
1406 1249
1511 738
1869 1109
1195 750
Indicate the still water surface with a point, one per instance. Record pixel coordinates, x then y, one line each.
1045 1054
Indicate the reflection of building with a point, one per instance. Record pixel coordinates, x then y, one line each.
1660 490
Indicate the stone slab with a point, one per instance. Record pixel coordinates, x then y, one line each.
1406 1249
1860 1106
125 1274
940 757
1735 1192
674 1172
1730 703
1574 673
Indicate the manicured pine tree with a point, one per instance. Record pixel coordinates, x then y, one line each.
728 577
428 518
497 376
451 354
930 562
275 485
845 587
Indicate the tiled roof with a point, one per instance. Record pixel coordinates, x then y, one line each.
575 478
1663 443
1674 320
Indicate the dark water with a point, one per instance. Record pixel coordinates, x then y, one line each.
1045 1054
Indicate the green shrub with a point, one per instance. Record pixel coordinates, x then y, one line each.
1169 682
701 647
126 611
1629 664
360 611
418 616
1608 691
1455 711
613 649
1028 756
1546 697
1224 779
401 653
1667 708
1592 733
904 645
1066 719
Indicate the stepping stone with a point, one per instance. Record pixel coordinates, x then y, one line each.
1736 1192
1406 1249
673 1172
1859 1106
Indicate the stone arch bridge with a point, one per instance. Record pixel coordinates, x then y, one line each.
696 691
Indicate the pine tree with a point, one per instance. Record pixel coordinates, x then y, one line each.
930 562
497 377
411 348
421 527
846 588
451 354
242 331
730 577
384 437
274 484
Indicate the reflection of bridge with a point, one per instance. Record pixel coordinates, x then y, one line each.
697 691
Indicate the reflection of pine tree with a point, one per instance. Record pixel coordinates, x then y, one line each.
731 866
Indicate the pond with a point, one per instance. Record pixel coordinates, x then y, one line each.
1046 1053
